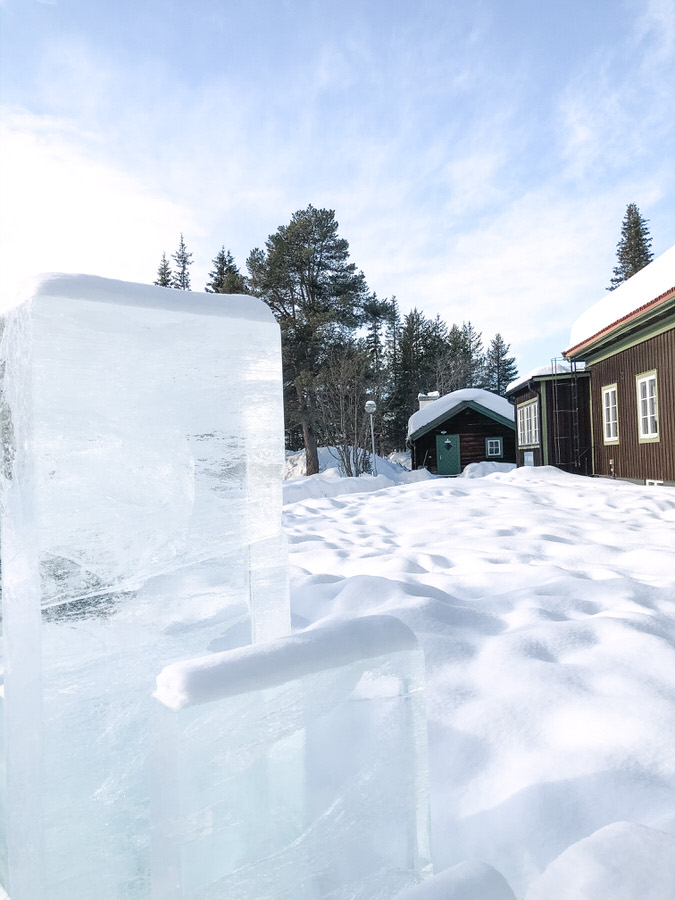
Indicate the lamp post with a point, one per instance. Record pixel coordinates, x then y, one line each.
371 407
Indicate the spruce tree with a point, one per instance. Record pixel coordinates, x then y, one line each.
183 259
225 278
500 369
473 355
164 276
634 249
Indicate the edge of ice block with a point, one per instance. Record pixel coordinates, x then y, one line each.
207 678
96 289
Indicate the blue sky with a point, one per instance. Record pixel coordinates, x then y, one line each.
479 157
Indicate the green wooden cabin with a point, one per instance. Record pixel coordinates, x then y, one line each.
466 426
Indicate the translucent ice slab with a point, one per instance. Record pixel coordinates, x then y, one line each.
142 454
294 769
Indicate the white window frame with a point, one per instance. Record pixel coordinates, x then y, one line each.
528 424
499 442
610 414
647 407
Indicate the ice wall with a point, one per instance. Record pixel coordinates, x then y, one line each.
293 770
141 524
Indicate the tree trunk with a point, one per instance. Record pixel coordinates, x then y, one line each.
311 452
306 419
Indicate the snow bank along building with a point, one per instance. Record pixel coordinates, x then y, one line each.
553 418
450 432
627 342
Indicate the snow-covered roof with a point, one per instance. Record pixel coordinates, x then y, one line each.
56 285
442 407
556 367
646 285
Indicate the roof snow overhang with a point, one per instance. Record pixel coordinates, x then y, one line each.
648 320
454 412
529 380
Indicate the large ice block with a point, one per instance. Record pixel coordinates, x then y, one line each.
293 770
142 437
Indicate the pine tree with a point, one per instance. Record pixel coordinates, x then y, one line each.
164 276
225 277
317 296
183 259
634 249
500 370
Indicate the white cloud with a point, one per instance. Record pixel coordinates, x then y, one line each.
64 209
655 26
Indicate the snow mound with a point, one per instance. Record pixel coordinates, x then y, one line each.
401 458
481 469
296 464
331 484
466 881
545 605
623 861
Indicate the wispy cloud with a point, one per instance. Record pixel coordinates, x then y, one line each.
478 165
63 210
655 30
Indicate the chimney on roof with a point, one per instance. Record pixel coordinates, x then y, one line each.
426 399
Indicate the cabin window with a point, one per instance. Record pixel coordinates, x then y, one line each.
610 415
494 447
648 407
528 424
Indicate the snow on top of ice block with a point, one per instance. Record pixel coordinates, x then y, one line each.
207 678
646 285
95 289
448 402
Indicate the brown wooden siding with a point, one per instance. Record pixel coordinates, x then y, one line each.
473 428
633 459
567 424
557 424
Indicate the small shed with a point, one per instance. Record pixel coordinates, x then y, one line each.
553 418
460 428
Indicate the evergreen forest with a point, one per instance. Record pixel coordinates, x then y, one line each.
343 345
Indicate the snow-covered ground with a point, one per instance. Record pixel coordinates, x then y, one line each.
545 604
329 483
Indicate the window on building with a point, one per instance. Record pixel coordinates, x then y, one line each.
494 447
528 424
610 415
648 407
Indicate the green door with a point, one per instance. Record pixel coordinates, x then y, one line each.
447 454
